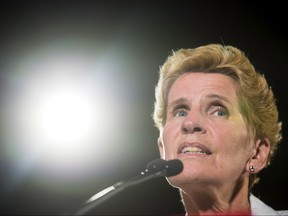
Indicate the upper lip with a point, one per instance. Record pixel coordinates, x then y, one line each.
198 145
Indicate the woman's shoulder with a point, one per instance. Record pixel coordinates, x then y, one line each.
258 207
282 212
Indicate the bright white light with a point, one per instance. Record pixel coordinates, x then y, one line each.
65 113
63 116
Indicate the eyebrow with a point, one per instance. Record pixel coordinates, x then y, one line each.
184 100
181 100
219 97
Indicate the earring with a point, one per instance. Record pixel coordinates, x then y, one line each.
251 168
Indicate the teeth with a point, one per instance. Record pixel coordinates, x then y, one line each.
192 149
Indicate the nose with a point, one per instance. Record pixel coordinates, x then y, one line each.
193 123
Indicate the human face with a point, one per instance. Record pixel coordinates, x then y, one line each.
205 130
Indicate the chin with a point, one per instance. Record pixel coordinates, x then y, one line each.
177 180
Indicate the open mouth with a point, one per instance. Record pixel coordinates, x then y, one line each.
194 149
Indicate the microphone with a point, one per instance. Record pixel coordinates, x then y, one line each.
154 169
166 168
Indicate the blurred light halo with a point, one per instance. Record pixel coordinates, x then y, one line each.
45 91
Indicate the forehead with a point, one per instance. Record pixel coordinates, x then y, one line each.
199 84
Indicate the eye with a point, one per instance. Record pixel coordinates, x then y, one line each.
180 113
220 111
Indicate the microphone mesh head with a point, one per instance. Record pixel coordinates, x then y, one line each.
171 167
174 167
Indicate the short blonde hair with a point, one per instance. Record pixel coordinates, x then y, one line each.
256 99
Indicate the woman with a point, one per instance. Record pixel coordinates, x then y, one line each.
218 116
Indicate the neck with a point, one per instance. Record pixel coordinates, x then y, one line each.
214 202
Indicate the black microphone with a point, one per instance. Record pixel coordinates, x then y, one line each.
166 168
154 169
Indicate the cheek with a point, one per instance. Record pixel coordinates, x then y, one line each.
234 146
169 137
170 132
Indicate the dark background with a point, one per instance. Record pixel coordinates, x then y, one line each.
146 32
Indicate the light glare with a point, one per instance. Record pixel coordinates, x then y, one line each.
66 113
63 116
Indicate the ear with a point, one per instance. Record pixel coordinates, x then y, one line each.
161 148
258 160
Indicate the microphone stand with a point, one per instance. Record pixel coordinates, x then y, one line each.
154 169
107 193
